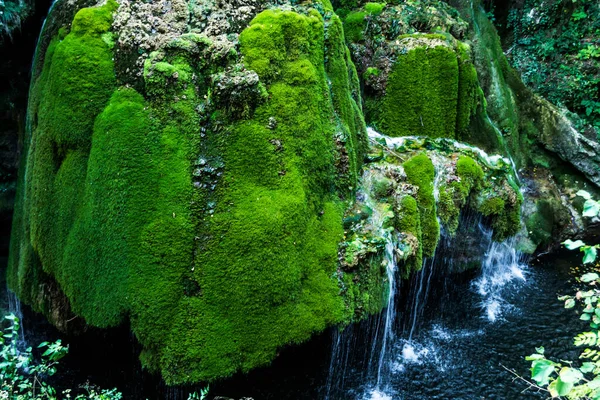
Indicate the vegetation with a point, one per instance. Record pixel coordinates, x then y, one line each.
205 206
556 48
420 172
576 379
23 374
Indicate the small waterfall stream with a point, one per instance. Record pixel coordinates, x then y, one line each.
403 337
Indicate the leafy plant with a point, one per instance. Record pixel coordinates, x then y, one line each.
556 49
576 379
23 377
591 51
199 396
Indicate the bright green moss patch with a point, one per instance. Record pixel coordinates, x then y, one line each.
408 221
207 210
422 94
354 24
265 270
75 84
374 8
420 172
453 196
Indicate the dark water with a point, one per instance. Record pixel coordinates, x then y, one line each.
465 338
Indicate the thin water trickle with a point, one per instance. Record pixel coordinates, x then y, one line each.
14 308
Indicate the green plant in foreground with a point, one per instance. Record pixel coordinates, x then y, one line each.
23 377
576 379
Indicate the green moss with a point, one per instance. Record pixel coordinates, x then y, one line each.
408 221
354 26
506 218
469 92
492 206
270 248
75 84
215 232
420 172
422 94
454 195
374 8
351 134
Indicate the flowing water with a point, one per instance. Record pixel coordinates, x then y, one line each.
457 331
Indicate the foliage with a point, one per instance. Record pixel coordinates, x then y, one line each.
23 375
556 48
12 14
577 379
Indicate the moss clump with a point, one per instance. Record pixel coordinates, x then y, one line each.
469 92
76 82
454 195
374 8
505 215
408 221
420 172
354 25
207 209
422 94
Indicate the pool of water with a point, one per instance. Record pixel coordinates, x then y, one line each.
470 331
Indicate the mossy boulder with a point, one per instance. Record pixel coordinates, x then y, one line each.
197 191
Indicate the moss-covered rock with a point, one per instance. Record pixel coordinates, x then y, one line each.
205 202
421 173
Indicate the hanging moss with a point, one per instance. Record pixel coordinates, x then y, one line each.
420 172
74 86
422 94
408 221
454 195
208 209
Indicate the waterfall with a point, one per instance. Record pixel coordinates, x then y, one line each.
14 307
390 313
501 268
398 337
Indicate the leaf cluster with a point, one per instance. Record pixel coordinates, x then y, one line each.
23 376
576 379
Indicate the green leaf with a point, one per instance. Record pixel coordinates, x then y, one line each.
585 317
540 350
572 245
533 357
570 303
570 375
541 371
590 254
595 383
563 388
591 208
587 367
584 194
592 276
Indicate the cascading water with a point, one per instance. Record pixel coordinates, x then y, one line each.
387 323
14 308
501 268
395 351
